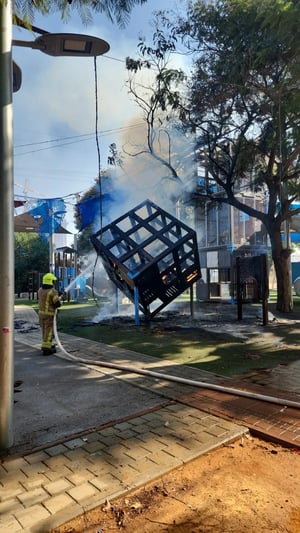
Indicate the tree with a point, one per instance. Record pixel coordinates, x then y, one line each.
116 10
148 99
242 102
149 80
31 253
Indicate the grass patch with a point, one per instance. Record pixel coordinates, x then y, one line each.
221 355
218 352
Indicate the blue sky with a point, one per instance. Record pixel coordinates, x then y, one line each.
54 111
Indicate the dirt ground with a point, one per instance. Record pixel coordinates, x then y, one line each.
244 487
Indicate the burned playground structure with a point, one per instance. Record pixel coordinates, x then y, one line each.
150 255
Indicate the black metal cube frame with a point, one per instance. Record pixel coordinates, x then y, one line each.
150 255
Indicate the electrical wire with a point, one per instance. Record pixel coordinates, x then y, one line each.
51 147
77 139
99 171
97 141
55 140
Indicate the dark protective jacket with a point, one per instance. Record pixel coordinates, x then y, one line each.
48 300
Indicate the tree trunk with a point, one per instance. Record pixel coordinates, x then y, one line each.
282 265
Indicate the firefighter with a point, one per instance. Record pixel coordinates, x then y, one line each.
48 302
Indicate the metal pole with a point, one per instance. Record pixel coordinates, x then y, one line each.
6 229
51 246
117 300
192 300
287 239
136 306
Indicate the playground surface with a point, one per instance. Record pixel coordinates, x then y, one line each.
85 435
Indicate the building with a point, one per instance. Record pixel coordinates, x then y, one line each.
225 233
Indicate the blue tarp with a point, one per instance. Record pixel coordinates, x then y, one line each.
50 213
91 209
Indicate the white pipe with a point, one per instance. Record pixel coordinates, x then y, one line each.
168 377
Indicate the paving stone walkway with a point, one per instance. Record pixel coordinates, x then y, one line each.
43 488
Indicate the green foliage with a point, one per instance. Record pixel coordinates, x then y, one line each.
244 89
242 102
115 158
164 96
31 254
115 10
134 65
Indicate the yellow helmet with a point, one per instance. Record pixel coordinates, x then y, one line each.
48 279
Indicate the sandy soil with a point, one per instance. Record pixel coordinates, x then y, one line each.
249 486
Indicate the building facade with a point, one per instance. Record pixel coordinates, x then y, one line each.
225 233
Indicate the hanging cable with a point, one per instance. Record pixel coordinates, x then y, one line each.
97 140
99 170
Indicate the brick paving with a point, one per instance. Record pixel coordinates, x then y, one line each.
42 490
47 487
278 423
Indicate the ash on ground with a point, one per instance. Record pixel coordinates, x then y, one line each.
211 317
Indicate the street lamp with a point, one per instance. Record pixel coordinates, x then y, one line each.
67 44
55 45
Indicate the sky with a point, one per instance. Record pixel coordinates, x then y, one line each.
55 150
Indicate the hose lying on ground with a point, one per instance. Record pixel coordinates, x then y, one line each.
177 379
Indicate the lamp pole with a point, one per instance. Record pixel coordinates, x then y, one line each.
56 45
6 228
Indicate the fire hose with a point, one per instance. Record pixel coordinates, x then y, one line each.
168 377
